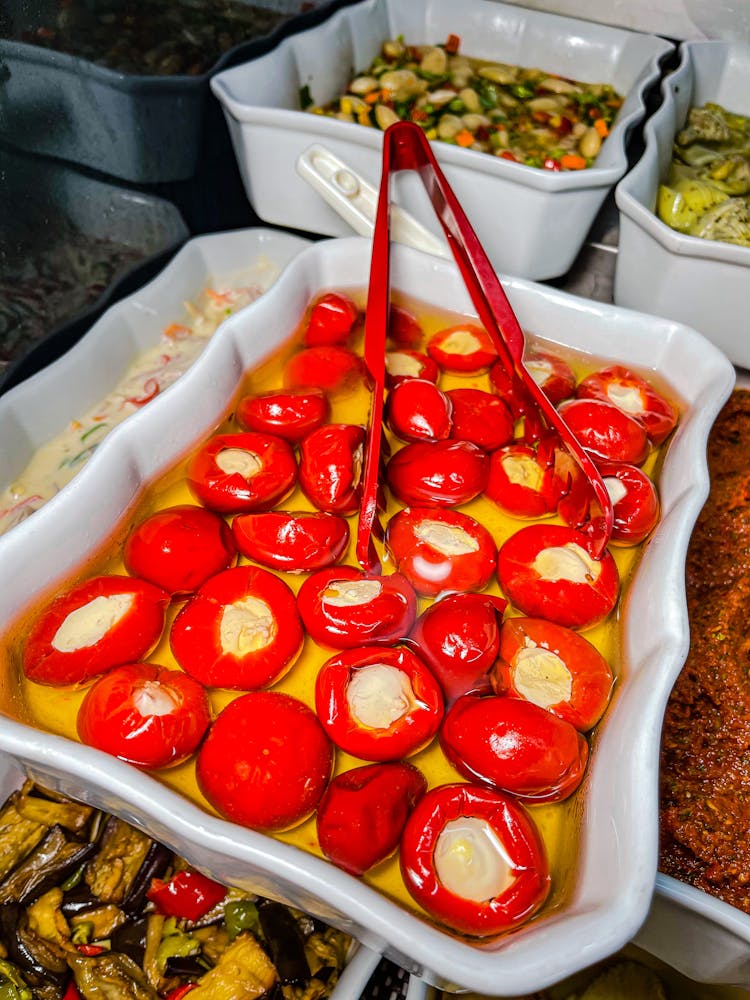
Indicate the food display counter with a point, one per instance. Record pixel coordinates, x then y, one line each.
229 542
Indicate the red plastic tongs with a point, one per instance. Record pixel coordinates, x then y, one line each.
406 148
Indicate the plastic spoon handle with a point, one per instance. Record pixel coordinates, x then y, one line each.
356 201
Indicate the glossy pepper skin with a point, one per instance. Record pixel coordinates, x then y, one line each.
331 467
527 881
188 895
438 474
514 746
130 633
332 369
362 814
332 320
458 637
179 548
235 473
265 762
635 396
292 541
345 608
289 415
608 433
395 685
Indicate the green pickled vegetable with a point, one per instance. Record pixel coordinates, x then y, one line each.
707 190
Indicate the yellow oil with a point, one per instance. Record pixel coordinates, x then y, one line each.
55 709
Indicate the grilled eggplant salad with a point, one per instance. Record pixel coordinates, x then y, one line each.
91 907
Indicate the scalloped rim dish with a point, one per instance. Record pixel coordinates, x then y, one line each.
619 802
261 101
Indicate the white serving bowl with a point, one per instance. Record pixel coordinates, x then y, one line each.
531 222
700 936
127 330
617 807
700 282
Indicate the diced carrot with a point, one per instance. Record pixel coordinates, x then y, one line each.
601 127
452 44
373 97
464 138
220 298
571 161
176 331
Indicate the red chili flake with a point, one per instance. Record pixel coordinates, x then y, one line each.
452 44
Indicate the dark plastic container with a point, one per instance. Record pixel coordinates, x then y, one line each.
142 129
56 218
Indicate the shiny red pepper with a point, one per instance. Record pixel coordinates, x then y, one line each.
330 467
459 832
331 321
90 950
71 993
181 991
362 814
188 895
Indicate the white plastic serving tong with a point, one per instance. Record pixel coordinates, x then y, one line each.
356 201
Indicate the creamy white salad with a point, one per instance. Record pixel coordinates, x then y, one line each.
57 461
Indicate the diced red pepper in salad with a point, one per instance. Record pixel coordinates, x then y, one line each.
188 895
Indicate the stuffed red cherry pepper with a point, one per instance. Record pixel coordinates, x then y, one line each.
332 320
458 637
235 473
605 431
241 630
95 626
330 470
145 714
416 410
514 746
404 329
474 860
555 668
481 418
635 502
363 812
345 608
292 541
548 572
332 369
378 704
523 481
400 366
438 474
265 762
440 551
179 548
465 349
554 376
289 415
635 396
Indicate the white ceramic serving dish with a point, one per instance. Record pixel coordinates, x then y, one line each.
126 331
701 936
701 282
618 804
531 222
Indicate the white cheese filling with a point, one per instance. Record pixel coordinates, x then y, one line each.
88 624
461 342
399 364
522 470
447 539
153 698
379 695
539 369
471 861
351 593
246 626
541 676
357 463
615 488
626 397
232 460
567 562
